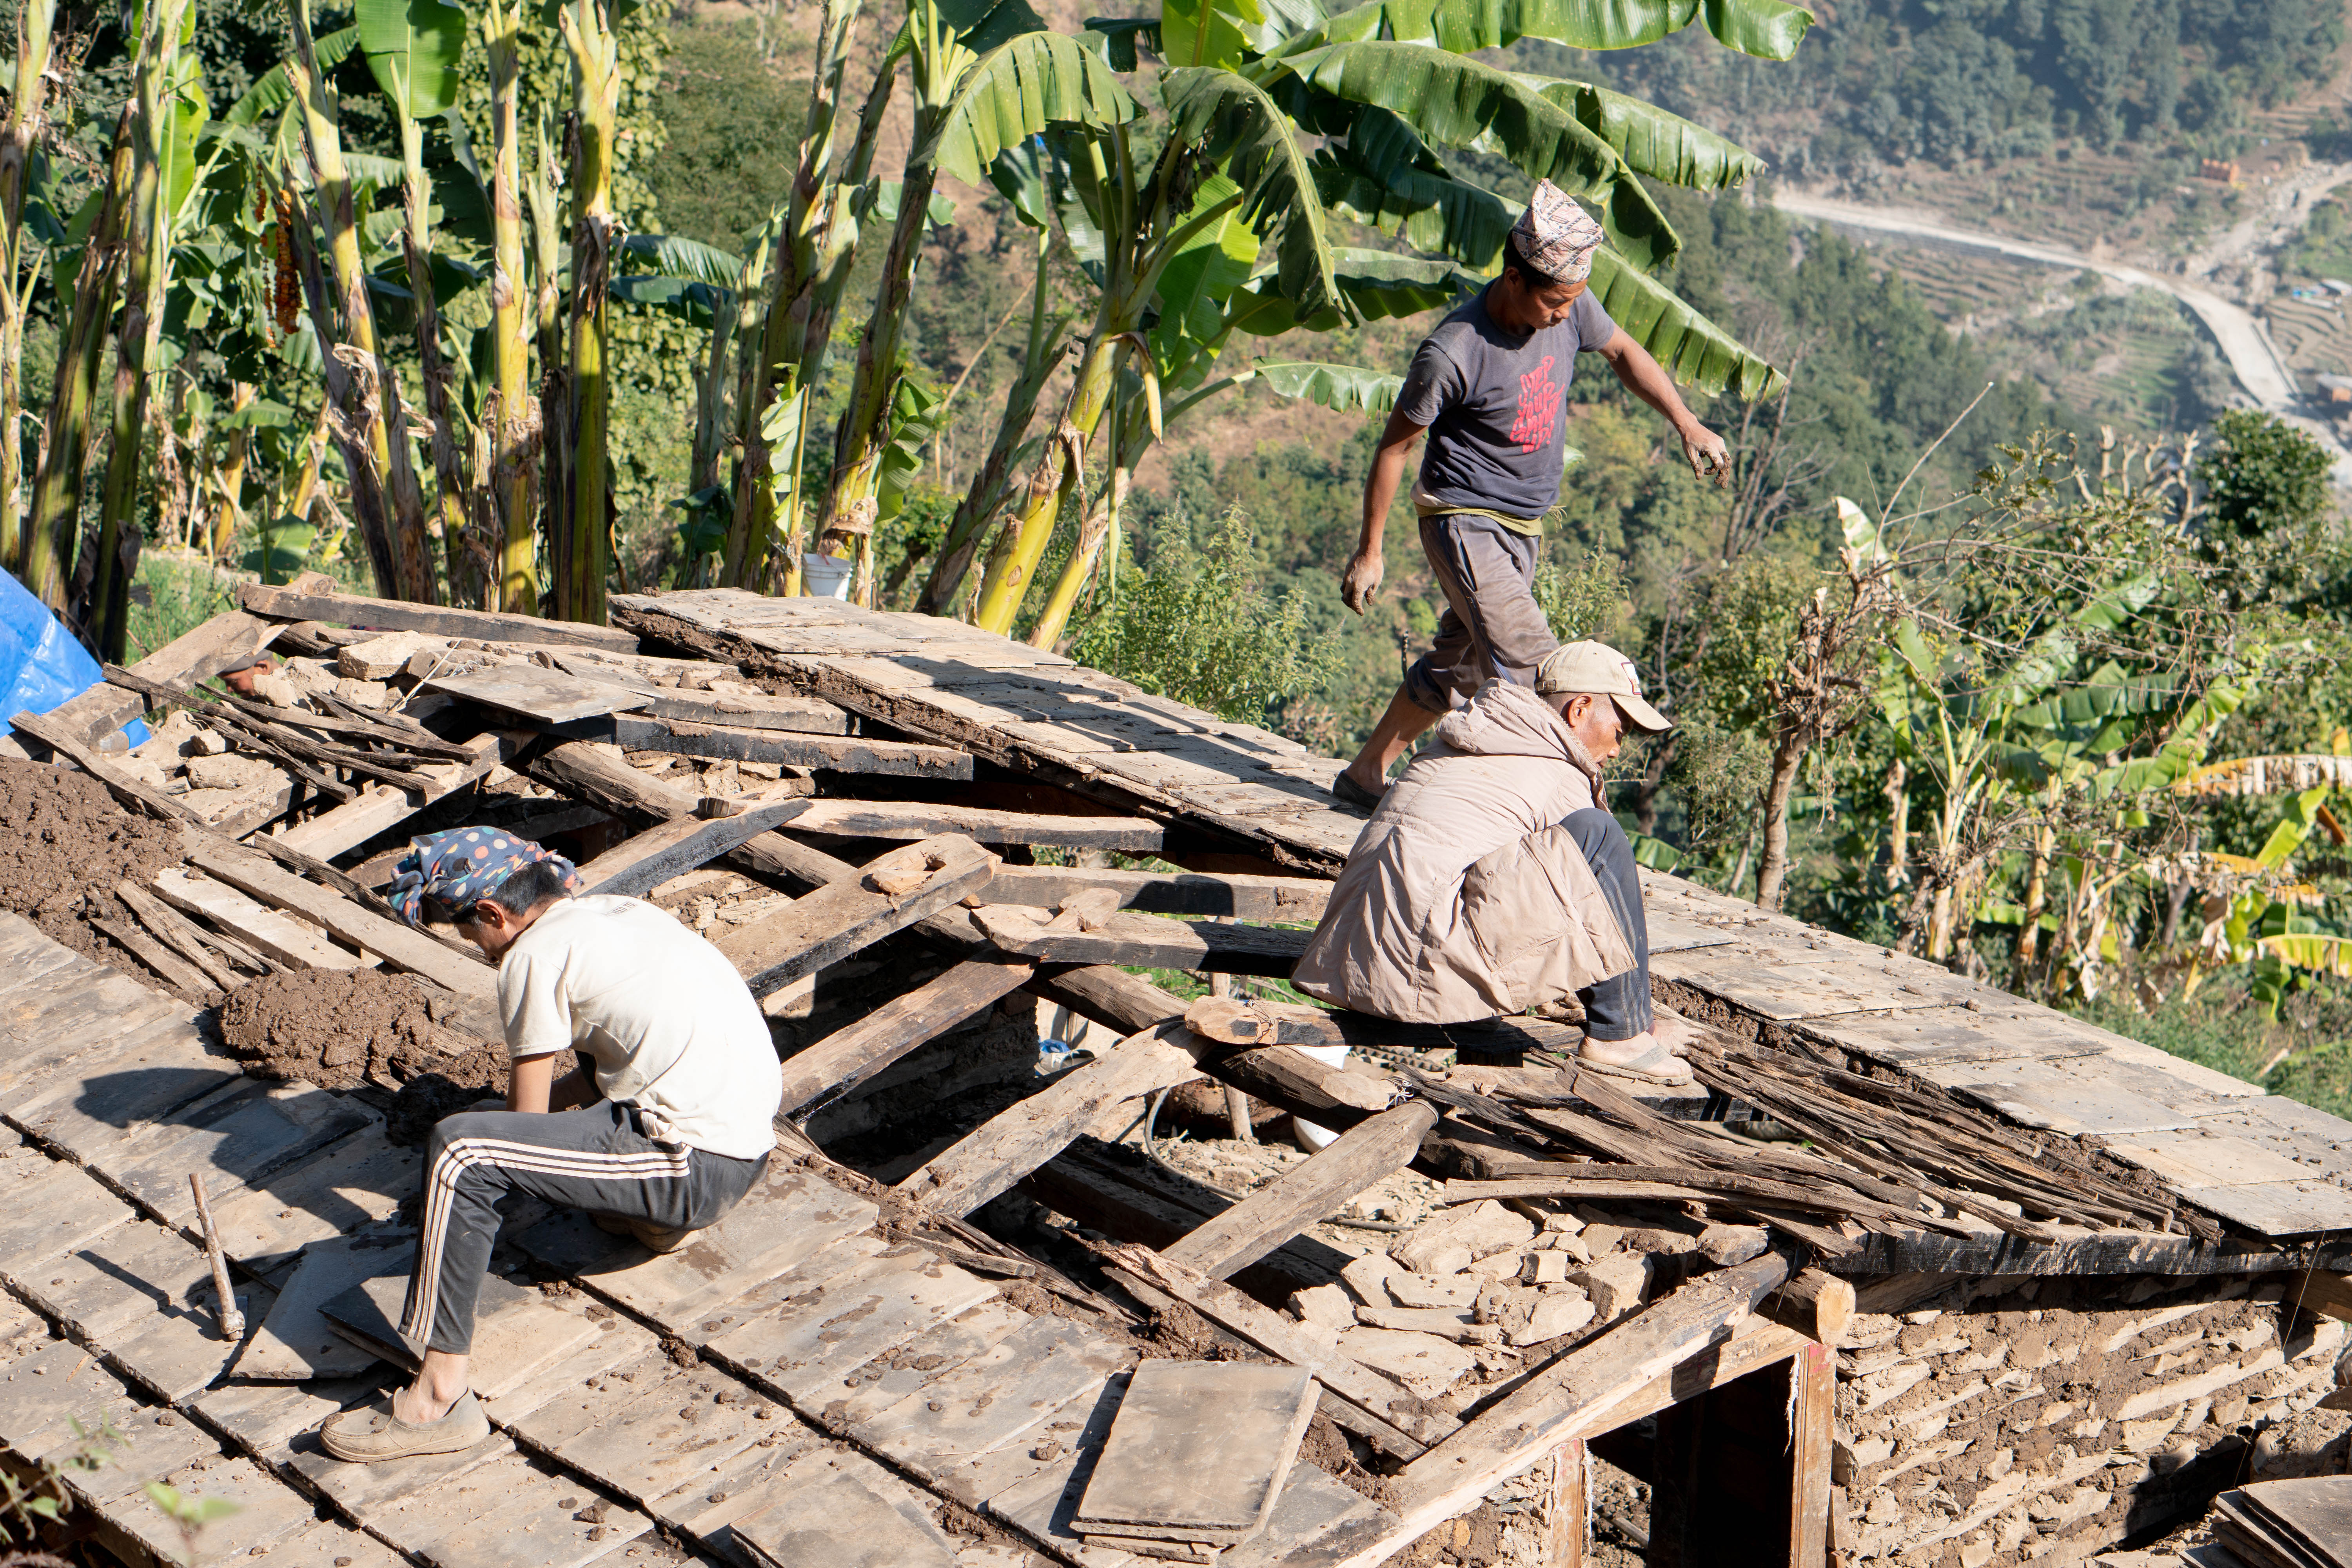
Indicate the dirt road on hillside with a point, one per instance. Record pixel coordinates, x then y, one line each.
2261 371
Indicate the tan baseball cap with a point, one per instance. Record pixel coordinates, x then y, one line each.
1597 668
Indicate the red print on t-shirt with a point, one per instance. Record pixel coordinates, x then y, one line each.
1538 408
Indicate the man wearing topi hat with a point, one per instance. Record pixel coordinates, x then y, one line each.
1490 880
1490 385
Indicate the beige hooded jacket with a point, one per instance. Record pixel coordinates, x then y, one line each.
1462 898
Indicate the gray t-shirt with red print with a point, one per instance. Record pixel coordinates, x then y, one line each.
1494 403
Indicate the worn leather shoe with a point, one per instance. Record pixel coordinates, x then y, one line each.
654 1238
374 1433
1348 792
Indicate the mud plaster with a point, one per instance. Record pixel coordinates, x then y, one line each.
64 844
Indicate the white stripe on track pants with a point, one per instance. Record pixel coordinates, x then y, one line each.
595 1159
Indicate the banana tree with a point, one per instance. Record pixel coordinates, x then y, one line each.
20 133
1380 91
2253 909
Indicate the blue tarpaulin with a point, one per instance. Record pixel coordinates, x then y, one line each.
41 664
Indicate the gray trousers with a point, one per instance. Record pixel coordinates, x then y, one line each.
594 1159
1618 1008
1492 627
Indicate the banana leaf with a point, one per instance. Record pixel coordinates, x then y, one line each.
1017 89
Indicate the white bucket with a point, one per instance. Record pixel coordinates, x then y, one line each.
1312 1137
825 576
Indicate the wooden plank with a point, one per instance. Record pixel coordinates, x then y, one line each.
1413 1422
288 941
513 1511
1045 1367
1148 941
1202 1446
1568 1508
362 1180
175 971
656 1434
843 1520
177 931
804 1348
392 615
399 945
735 706
537 696
1234 895
843 917
226 641
836 1064
1578 1394
378 808
895 819
1018 1139
295 1342
636 866
1364 1155
827 754
231 1141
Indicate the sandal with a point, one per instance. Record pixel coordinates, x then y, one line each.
1656 1066
1348 792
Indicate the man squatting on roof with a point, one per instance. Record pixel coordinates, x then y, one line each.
675 1127
1490 387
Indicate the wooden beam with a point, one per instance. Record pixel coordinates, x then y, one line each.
1148 942
908 819
840 918
401 946
1018 1139
390 614
1111 996
1247 898
1361 1157
1278 1336
848 1058
1817 1305
2329 1295
1250 1022
380 807
1812 1412
1603 1181
225 642
636 866
827 753
1578 1393
288 941
845 1058
1568 1506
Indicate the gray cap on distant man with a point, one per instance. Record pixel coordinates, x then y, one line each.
1597 668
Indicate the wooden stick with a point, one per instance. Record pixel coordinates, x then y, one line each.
174 930
1237 1112
1366 1153
232 1321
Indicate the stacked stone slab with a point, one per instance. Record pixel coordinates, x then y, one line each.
2002 1421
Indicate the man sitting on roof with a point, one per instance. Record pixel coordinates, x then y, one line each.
676 1127
1490 882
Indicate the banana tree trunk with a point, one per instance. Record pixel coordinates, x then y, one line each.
147 247
1012 564
1101 523
596 89
27 115
52 536
512 416
228 516
342 414
965 530
465 520
555 370
377 410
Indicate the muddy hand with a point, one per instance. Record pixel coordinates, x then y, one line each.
1361 583
1708 453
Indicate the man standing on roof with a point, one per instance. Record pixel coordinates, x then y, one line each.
673 1129
1490 385
1491 880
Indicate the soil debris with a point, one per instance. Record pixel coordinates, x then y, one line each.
340 1028
64 844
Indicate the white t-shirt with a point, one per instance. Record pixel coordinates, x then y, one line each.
670 1026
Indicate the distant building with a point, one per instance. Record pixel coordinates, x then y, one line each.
2338 388
2223 170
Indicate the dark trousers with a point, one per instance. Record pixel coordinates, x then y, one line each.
594 1159
1618 1008
1492 628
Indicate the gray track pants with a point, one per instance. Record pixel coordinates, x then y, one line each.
1492 627
1618 1008
594 1159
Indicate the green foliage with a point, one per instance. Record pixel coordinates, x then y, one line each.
731 121
1200 628
2265 477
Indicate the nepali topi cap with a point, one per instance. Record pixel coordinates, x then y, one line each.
1555 236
